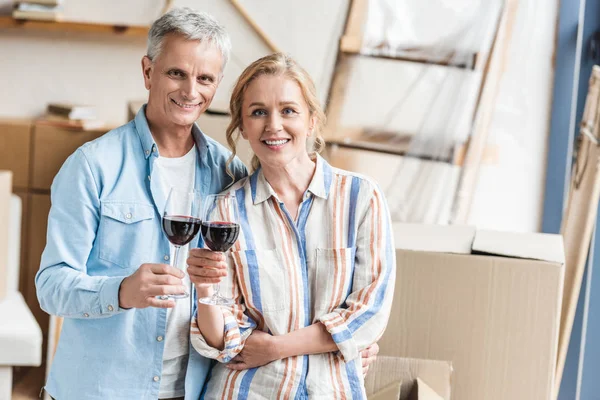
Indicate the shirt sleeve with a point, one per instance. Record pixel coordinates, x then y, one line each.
238 326
63 286
363 319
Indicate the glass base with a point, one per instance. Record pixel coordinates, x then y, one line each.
174 296
216 300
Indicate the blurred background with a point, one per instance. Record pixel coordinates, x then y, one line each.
466 112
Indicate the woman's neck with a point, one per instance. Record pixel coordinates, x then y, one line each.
291 181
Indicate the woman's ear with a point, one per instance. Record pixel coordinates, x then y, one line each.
311 126
243 133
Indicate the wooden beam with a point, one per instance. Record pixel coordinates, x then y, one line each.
8 22
259 31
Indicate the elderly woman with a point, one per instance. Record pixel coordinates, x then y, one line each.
312 272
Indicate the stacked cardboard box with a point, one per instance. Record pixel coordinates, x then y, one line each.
34 153
489 302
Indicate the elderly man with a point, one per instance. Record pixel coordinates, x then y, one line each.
105 266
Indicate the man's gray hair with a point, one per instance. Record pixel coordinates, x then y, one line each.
191 24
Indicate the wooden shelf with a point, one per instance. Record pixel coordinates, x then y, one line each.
8 22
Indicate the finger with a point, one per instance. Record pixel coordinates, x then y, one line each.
166 280
207 254
237 366
206 272
206 263
163 290
154 302
238 358
205 281
164 269
365 371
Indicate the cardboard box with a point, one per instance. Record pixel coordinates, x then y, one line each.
393 378
5 195
39 207
15 141
51 147
489 302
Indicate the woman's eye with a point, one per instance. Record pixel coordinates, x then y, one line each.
259 113
288 111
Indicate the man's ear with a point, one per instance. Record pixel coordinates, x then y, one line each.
146 71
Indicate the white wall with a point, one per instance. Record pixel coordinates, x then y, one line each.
105 70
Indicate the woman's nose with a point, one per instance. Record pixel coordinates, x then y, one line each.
274 123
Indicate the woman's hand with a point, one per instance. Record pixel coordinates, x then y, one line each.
258 350
369 355
206 268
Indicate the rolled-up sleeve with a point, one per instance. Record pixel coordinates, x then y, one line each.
367 308
237 325
63 286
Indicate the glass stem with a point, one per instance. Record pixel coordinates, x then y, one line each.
176 258
216 293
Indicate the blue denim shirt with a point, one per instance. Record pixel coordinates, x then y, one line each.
105 221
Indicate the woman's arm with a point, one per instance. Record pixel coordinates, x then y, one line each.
217 332
362 320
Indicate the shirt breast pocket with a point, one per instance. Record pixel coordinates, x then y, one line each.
126 233
263 278
333 276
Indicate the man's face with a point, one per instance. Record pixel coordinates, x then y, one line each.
182 80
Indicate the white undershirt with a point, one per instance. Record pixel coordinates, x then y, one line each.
179 173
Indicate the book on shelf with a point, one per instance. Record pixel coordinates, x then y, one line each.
37 12
41 2
72 111
77 124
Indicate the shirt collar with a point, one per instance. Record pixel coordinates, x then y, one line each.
319 186
149 146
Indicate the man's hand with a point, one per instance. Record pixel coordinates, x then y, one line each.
206 268
258 350
369 355
149 281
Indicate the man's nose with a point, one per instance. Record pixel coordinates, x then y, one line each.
190 89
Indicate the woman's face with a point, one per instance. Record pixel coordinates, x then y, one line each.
276 120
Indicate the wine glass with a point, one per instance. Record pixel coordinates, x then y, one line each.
220 229
181 223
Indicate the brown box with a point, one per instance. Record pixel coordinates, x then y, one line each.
5 195
51 147
487 301
39 207
15 141
396 378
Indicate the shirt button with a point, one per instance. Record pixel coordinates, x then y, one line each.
147 152
156 379
86 315
128 216
110 307
159 339
166 257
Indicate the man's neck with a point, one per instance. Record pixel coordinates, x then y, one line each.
172 140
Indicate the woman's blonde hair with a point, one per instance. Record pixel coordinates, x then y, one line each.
274 65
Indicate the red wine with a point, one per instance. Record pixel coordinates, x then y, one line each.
220 236
180 230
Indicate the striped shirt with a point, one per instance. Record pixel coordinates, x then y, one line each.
335 264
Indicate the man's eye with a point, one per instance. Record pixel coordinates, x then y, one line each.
206 78
176 73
